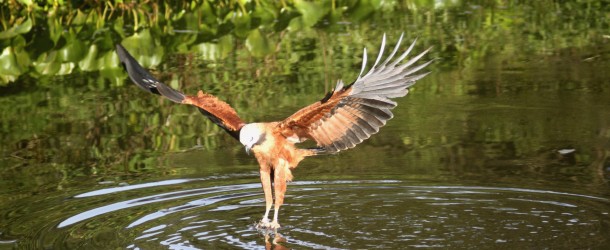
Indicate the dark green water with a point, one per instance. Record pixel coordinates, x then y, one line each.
505 144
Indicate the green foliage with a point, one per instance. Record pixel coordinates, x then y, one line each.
62 70
258 44
83 35
19 27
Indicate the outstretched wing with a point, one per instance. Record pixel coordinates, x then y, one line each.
219 112
351 114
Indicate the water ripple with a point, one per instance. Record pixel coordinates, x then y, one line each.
346 214
151 199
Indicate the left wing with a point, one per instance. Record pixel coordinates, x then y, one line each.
351 114
219 112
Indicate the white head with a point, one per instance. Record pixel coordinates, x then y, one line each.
249 135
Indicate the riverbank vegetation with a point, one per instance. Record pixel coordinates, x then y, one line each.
56 37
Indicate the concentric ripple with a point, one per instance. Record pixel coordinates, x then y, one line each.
355 214
181 214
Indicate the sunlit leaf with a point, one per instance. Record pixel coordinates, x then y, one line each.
110 60
258 44
55 29
118 27
266 14
80 18
144 49
21 55
241 22
208 15
9 68
311 12
364 8
66 68
47 63
116 75
284 19
214 51
73 51
8 63
89 63
26 2
21 28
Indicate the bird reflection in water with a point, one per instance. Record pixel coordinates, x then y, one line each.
273 240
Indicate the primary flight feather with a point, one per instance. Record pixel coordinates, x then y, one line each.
344 118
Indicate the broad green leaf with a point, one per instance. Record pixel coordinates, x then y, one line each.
74 51
364 8
116 75
284 19
10 69
110 60
144 48
21 28
214 51
26 2
66 68
80 18
89 63
241 22
47 63
55 29
118 27
266 14
258 44
21 55
311 12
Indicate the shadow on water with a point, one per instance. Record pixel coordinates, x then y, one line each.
327 214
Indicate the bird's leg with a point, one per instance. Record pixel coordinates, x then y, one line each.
279 184
266 182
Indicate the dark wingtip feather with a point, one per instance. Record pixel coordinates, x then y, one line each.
135 71
170 93
144 79
327 97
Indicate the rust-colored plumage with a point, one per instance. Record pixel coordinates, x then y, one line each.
227 117
342 119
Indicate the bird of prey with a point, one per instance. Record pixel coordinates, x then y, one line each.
346 116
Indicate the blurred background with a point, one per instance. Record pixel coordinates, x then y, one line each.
509 134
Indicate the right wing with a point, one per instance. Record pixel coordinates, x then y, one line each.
219 112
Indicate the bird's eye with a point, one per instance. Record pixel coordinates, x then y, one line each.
252 138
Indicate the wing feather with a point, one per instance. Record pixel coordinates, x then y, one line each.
360 127
219 112
351 114
349 122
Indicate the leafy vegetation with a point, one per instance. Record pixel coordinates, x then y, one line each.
63 88
47 38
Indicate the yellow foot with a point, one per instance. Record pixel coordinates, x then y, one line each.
274 225
263 224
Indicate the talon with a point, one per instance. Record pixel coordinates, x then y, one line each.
274 225
263 224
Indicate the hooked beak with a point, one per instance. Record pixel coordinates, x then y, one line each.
248 150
